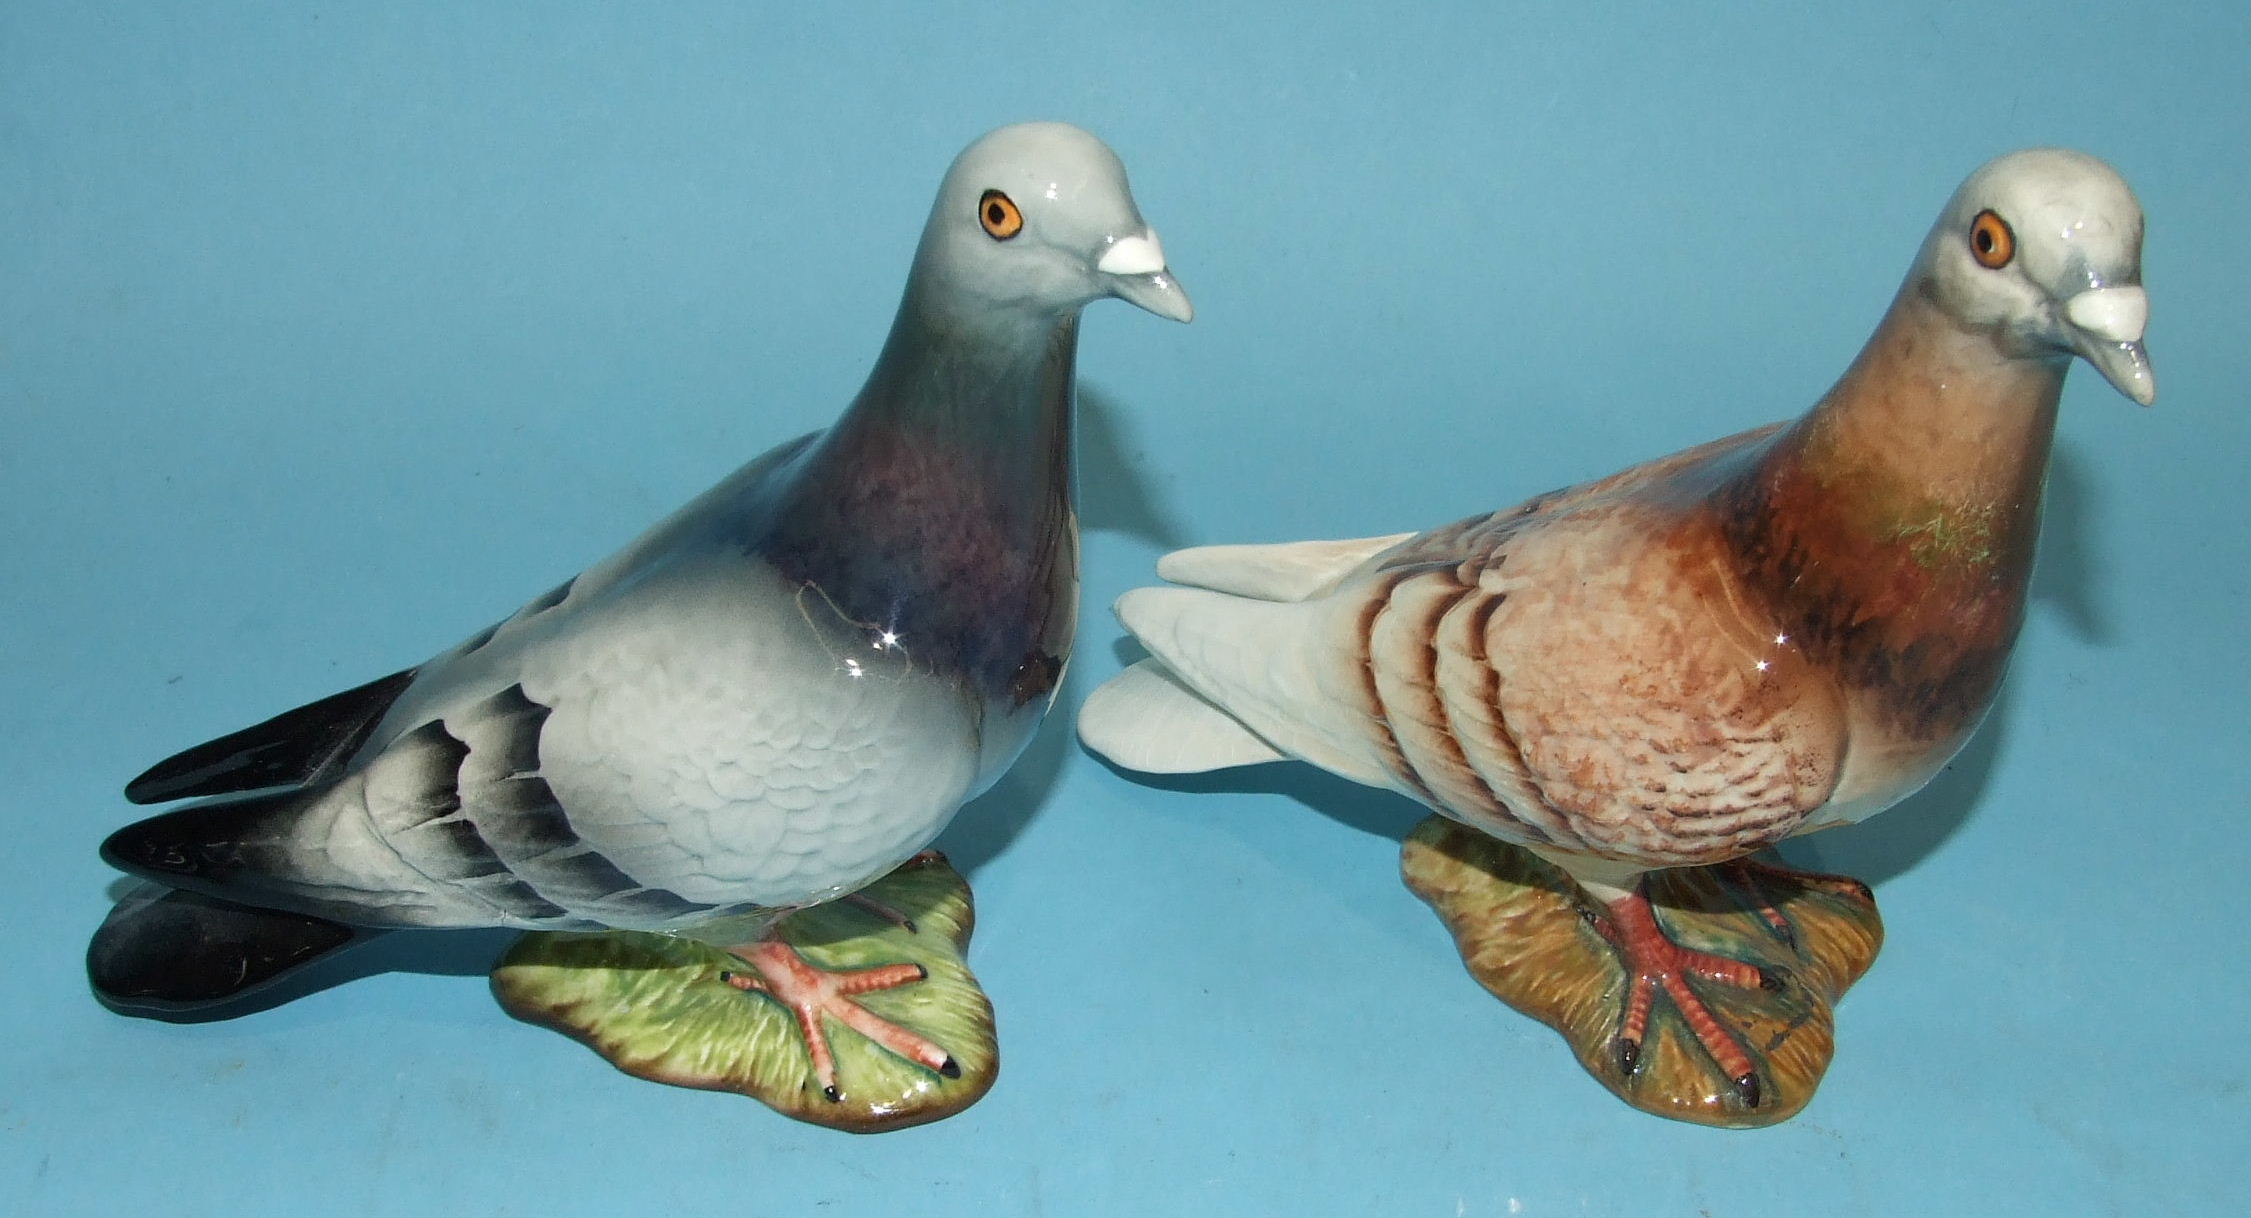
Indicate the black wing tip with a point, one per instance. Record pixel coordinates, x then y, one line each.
287 750
199 844
165 781
145 849
160 784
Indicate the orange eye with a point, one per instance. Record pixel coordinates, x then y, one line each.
997 212
1991 242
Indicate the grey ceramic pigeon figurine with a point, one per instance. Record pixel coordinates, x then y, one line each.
1779 632
770 699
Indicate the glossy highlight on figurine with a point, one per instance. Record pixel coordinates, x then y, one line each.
677 763
1615 694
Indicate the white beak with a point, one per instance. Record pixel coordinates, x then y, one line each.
1133 269
2117 315
2106 328
1137 255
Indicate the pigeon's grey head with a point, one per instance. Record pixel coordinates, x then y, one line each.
1037 218
2043 248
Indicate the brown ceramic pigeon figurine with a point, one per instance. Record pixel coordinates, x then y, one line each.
1777 632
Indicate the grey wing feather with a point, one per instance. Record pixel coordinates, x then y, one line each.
449 825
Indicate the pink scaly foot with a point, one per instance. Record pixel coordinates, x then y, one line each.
809 993
1653 961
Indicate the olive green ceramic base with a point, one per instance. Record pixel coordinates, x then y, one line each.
1525 930
656 1006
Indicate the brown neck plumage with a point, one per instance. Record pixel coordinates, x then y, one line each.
1893 527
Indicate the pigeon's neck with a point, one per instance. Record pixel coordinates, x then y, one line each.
1894 525
1935 427
939 508
987 381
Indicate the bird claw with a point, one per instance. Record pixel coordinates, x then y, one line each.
809 993
1654 963
1747 1089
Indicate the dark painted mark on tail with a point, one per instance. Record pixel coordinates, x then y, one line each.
211 843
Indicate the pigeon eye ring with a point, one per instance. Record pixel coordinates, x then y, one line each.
1991 241
998 213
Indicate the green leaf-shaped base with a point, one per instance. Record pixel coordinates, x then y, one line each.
655 1006
1522 928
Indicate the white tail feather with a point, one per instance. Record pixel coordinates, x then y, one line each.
1292 571
1145 719
1265 664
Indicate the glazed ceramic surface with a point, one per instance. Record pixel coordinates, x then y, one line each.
769 700
647 1004
1526 932
1706 654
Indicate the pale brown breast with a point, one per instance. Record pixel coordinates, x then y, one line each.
1590 677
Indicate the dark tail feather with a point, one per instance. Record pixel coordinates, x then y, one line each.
168 952
290 749
237 850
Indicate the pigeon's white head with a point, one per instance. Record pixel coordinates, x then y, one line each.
1038 218
2043 248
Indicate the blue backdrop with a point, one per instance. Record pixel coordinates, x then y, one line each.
330 332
